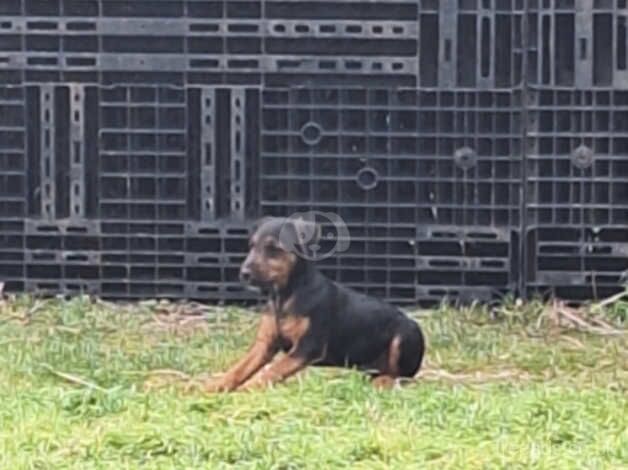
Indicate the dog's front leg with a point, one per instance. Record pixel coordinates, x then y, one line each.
276 372
305 353
260 354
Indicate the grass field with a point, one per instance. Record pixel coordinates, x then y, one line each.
88 385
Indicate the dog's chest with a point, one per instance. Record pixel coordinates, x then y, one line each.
291 329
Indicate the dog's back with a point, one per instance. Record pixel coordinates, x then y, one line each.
315 320
358 329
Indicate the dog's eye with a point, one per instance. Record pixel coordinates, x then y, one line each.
273 250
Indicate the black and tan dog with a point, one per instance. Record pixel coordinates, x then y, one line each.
316 321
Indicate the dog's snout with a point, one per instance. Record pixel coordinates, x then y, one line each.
245 275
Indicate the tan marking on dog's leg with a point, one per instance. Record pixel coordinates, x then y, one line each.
260 353
384 382
276 372
394 354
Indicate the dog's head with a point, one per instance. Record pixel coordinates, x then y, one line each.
275 251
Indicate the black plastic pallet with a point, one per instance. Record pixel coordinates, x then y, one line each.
415 43
577 263
466 264
201 261
14 172
577 166
577 43
12 255
377 155
427 264
393 156
475 148
577 203
140 152
125 260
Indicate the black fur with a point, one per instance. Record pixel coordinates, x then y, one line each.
346 328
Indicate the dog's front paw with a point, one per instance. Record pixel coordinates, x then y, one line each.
217 385
252 386
255 384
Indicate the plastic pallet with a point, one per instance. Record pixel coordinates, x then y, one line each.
142 158
415 43
13 154
426 264
577 170
474 147
577 43
379 260
128 152
125 260
462 264
202 261
577 263
12 255
577 197
387 156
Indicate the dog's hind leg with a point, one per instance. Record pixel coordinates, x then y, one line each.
383 382
385 370
402 360
411 350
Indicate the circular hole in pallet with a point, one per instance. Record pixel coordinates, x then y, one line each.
367 178
311 133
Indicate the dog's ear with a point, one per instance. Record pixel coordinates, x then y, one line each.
258 223
308 232
299 235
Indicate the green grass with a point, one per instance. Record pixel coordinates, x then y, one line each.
81 387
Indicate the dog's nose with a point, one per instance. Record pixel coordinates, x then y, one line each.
245 275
